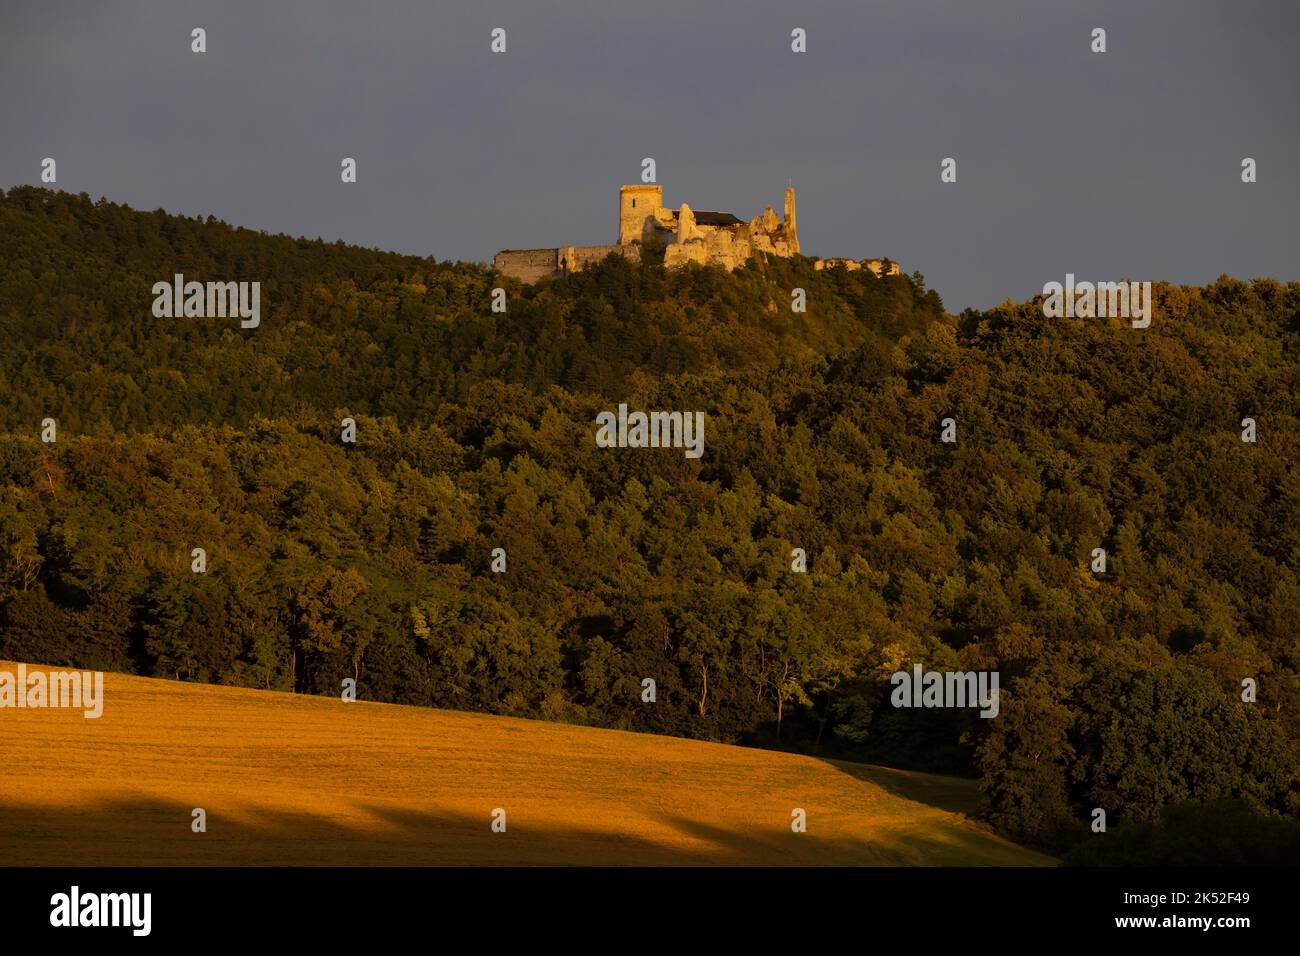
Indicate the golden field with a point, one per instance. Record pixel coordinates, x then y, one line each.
298 780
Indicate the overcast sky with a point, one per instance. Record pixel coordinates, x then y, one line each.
1114 165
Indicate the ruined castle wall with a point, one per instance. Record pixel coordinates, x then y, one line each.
875 266
527 265
727 246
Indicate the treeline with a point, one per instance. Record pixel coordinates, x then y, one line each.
373 561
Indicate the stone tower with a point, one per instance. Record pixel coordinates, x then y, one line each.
791 233
636 204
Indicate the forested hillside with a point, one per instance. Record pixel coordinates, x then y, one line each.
475 431
382 333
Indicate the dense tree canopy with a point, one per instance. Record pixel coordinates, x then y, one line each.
475 432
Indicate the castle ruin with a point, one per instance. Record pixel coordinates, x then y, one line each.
875 266
686 235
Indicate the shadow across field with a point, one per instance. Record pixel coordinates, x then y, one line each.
143 831
953 794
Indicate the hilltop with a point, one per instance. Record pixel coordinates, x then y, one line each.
379 332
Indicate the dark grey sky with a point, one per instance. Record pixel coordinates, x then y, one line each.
1123 164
